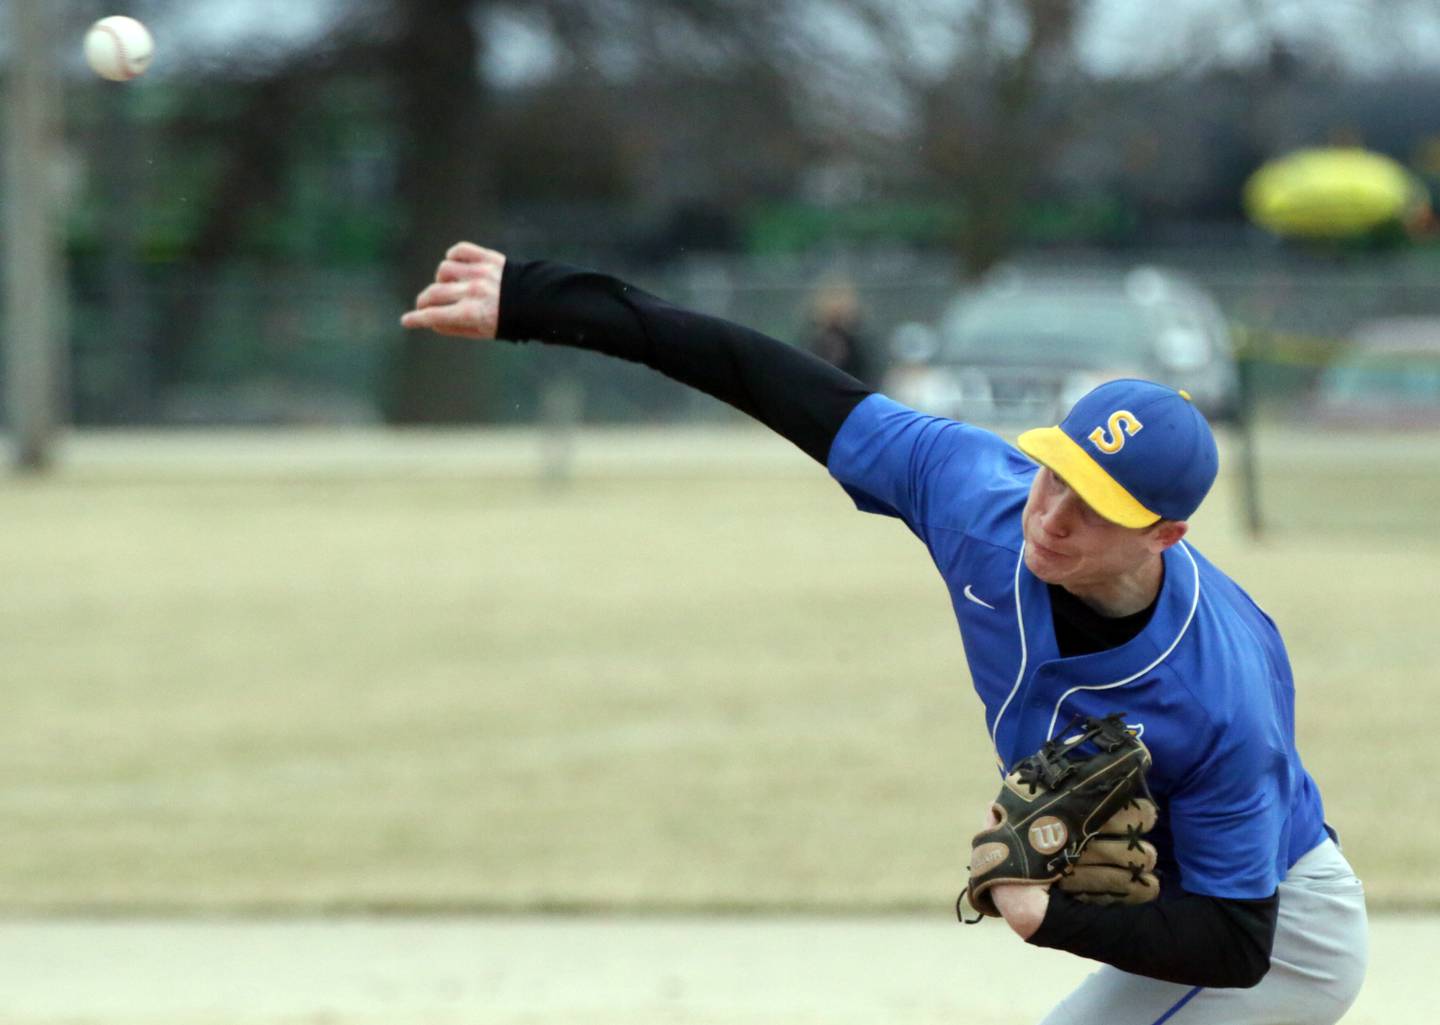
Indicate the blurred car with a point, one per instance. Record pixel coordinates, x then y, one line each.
1020 349
1389 376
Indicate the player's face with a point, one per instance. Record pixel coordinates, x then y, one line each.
1069 544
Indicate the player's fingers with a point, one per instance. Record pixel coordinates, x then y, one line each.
418 318
477 285
445 320
469 252
434 319
440 294
437 294
455 270
469 318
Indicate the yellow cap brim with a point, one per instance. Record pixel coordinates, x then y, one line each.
1052 447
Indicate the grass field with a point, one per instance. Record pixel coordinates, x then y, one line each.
303 673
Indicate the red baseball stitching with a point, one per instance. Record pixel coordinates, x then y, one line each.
120 47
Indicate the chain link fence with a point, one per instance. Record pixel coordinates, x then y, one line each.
261 345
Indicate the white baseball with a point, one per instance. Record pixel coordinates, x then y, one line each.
119 48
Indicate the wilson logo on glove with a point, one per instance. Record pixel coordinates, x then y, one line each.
1048 835
987 855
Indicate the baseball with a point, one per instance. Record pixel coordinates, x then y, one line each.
118 48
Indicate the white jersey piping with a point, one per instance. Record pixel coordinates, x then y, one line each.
1189 617
1024 653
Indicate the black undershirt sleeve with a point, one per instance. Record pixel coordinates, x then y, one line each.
796 394
1187 939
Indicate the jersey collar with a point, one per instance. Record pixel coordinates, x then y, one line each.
1132 661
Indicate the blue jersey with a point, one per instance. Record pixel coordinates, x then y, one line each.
1207 682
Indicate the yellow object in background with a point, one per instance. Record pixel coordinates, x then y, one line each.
1333 193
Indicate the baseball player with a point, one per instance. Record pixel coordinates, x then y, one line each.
1076 593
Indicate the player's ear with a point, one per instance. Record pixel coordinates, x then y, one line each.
1165 533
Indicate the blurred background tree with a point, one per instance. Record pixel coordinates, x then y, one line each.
314 173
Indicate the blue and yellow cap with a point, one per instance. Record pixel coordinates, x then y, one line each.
1136 452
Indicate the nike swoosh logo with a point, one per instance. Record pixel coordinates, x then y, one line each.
978 601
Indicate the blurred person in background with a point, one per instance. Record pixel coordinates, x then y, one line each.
1074 590
835 330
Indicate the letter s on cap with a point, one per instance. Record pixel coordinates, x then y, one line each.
1122 423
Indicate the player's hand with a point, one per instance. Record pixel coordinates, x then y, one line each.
465 298
1022 906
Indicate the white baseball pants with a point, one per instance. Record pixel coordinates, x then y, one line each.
1318 963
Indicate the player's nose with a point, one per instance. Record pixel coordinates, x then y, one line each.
1053 519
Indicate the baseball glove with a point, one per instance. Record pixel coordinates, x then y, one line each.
1074 818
